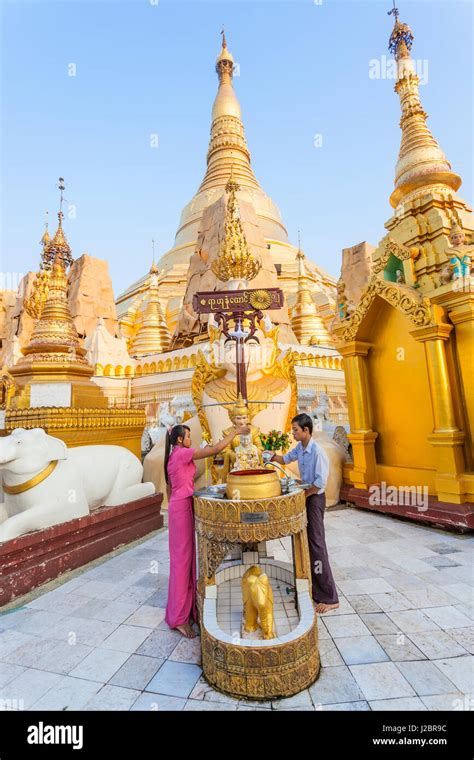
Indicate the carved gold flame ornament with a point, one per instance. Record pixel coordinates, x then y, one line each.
235 260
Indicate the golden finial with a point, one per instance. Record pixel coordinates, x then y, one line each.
59 247
153 269
46 236
225 60
401 39
235 260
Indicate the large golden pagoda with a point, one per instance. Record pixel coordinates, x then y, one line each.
227 154
408 342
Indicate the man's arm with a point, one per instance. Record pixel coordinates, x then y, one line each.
277 458
291 456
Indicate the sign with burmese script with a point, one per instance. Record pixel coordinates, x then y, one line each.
262 299
254 517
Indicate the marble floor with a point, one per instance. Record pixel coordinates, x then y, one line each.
402 638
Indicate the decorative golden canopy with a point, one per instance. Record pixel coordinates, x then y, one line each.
235 260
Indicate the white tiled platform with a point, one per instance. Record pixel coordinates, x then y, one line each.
403 637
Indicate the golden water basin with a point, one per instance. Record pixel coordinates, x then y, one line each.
253 484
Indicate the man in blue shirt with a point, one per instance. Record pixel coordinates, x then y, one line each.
314 468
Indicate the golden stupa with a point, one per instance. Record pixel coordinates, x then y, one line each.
407 341
227 155
306 322
152 335
53 379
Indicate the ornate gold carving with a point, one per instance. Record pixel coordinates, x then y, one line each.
235 260
64 418
266 672
220 520
401 297
224 392
36 301
212 554
204 373
7 388
260 299
391 248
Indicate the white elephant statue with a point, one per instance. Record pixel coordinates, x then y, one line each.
45 483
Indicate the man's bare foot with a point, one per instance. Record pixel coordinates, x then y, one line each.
322 608
187 631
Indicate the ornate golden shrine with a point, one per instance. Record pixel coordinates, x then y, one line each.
407 339
254 668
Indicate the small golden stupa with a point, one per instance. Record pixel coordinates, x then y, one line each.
53 379
152 335
307 325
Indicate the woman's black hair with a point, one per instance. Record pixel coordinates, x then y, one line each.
178 431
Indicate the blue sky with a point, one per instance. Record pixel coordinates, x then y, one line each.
146 68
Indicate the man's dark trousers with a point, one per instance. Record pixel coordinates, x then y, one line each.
324 587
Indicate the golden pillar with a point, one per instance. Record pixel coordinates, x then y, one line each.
460 307
446 438
362 437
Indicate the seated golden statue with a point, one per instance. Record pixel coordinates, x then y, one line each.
257 597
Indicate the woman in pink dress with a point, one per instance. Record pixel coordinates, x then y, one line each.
179 473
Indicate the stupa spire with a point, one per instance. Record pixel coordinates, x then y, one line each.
421 162
45 238
307 325
227 145
59 246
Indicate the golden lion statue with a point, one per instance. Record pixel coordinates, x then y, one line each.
258 602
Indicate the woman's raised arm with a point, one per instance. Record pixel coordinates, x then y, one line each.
210 451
